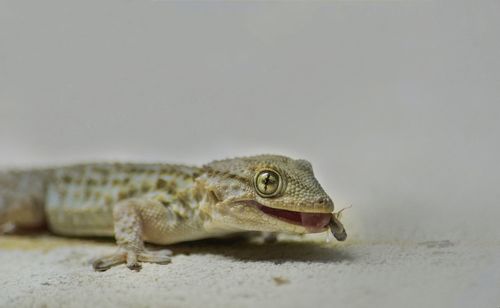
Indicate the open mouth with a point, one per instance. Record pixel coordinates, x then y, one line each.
311 221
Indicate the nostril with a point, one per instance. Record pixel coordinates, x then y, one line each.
323 201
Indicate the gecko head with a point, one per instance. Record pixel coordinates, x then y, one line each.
266 193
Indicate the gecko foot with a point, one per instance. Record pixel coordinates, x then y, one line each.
132 259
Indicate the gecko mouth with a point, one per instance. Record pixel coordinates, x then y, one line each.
311 221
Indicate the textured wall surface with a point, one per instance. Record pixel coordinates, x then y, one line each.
395 103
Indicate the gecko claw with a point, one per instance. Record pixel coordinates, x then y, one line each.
134 266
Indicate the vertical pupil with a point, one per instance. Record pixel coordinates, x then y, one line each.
266 180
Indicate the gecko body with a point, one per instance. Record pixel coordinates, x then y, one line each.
165 204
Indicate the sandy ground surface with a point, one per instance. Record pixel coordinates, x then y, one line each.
47 271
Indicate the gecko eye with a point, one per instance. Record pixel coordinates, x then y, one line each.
268 183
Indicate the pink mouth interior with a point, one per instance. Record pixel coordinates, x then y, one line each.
308 220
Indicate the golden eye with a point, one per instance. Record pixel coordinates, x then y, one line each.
268 183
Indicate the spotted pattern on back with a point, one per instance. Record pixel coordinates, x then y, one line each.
86 194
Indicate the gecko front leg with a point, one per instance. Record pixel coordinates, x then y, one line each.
131 217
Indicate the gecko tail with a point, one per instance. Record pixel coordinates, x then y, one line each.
22 198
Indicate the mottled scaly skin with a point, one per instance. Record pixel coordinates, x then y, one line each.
164 204
80 199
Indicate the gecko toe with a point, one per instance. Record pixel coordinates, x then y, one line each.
132 259
159 256
104 263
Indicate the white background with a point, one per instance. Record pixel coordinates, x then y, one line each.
395 103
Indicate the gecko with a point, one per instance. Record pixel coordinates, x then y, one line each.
162 204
